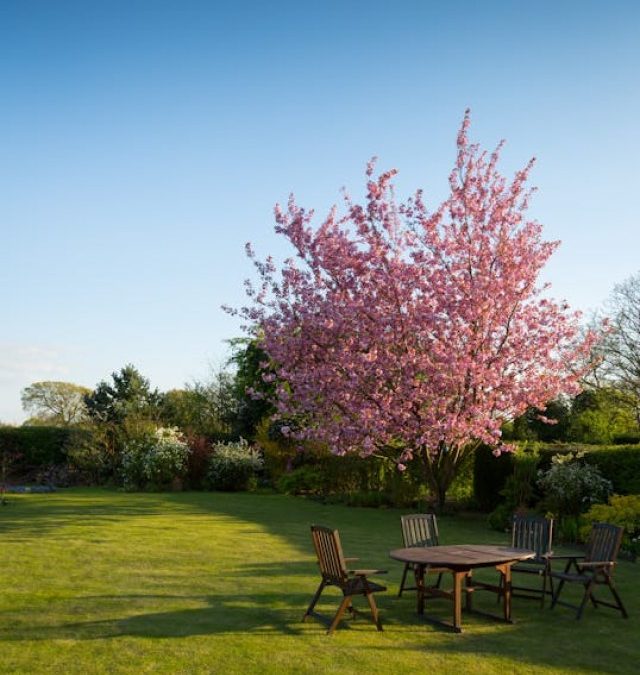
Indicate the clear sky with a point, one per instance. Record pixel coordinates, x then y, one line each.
143 143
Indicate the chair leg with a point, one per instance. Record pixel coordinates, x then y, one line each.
617 599
375 615
550 580
353 612
404 578
588 589
556 595
544 587
315 599
341 610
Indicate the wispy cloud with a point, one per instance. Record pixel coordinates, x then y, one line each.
20 365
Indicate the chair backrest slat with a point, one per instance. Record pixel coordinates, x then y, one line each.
329 551
419 529
604 543
535 534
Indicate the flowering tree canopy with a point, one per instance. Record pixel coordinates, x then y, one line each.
419 330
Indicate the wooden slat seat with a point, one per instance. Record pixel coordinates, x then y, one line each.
595 568
334 572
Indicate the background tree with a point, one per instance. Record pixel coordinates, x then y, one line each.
529 426
621 347
599 415
416 330
129 395
55 403
205 408
252 394
121 410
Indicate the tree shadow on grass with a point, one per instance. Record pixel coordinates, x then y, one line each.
37 515
263 614
271 614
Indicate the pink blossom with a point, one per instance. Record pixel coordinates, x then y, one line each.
423 330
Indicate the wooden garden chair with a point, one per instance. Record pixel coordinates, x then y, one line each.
333 568
535 534
596 568
419 529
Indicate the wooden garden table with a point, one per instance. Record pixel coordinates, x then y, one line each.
461 560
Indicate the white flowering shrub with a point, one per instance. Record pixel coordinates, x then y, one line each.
570 487
155 460
233 466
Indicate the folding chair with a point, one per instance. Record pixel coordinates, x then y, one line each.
334 572
596 568
419 529
535 534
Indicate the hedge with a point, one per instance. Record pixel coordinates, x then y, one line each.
33 447
489 476
618 463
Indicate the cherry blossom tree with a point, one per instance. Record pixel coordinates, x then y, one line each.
412 330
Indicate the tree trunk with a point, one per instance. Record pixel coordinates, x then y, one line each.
441 468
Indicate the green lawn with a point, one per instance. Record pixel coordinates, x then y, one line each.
99 581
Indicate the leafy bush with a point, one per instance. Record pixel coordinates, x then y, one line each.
618 463
519 492
570 486
89 458
280 453
233 466
500 518
340 478
198 461
623 511
303 480
157 460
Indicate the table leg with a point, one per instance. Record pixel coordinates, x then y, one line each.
457 600
469 594
419 574
505 570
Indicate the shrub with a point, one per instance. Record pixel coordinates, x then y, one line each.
156 460
233 466
623 511
303 480
280 453
198 461
500 518
570 487
519 491
89 459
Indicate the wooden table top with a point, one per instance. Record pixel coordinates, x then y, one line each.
463 556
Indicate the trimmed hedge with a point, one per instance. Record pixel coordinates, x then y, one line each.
34 447
490 474
618 463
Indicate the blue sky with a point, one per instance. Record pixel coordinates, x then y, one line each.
143 143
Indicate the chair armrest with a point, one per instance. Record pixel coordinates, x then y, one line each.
366 573
566 556
351 559
606 563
